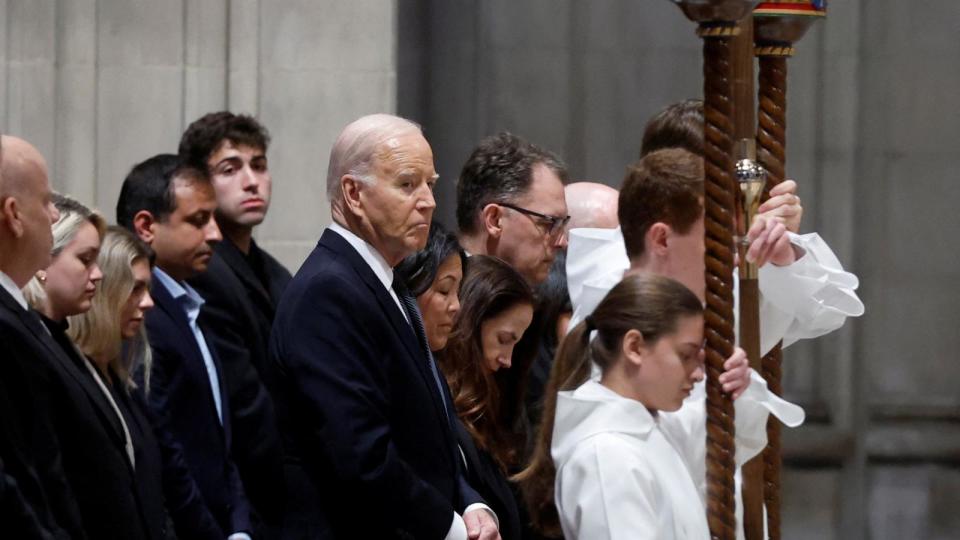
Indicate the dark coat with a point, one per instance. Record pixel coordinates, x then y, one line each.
93 447
157 451
239 312
360 409
484 475
183 405
36 495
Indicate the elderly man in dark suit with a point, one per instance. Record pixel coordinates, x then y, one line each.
363 408
241 287
36 491
169 205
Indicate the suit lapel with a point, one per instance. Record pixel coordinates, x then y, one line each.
404 331
187 342
66 365
240 266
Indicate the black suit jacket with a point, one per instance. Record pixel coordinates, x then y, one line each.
239 312
359 406
183 405
16 514
93 448
162 475
33 470
484 475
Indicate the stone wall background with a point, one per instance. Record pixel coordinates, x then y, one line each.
101 84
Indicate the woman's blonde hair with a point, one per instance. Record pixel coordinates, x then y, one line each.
98 331
73 215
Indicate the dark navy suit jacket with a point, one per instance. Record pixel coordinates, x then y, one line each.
239 312
183 404
29 448
360 410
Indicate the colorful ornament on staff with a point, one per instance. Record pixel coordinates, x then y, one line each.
802 8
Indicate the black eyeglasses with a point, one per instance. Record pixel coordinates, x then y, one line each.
555 225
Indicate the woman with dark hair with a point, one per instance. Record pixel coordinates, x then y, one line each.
487 378
472 330
433 276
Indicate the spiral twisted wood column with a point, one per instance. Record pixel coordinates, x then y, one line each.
719 200
771 153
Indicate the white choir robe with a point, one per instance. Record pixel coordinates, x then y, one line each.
809 298
623 473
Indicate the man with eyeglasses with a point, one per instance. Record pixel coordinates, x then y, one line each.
511 205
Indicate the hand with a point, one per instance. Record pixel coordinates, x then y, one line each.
784 205
480 525
769 242
736 374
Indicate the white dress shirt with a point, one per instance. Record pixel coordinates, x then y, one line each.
8 285
384 273
191 302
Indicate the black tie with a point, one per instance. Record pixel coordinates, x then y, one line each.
413 313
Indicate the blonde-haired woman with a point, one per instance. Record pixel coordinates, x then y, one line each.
109 481
112 337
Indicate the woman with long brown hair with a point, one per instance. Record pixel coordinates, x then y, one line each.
486 378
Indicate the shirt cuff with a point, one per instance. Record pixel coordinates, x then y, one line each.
458 529
489 510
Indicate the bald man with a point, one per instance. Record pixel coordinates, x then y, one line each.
365 415
592 205
28 448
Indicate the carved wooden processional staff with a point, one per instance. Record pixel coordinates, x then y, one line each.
732 193
776 27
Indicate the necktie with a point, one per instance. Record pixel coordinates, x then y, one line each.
413 313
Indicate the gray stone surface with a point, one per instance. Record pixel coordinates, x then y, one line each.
99 85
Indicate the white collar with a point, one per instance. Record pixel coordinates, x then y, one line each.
368 253
8 284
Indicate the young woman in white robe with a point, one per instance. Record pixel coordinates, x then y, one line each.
611 461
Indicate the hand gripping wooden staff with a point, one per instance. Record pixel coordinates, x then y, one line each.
717 25
777 26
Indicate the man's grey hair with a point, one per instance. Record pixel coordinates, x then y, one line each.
358 145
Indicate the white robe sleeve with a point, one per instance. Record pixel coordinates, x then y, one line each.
606 491
687 427
807 299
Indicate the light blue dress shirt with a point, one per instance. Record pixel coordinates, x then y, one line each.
191 302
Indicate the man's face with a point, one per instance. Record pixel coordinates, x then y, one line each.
399 204
525 242
182 242
38 213
685 258
242 184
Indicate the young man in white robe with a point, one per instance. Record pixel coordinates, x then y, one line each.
804 290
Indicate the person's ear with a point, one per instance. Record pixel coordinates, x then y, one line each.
10 212
350 189
657 239
634 348
491 218
144 226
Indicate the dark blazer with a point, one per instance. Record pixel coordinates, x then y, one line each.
162 473
93 448
183 406
239 312
359 407
484 475
28 445
16 514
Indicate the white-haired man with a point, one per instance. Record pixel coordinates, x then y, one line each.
364 411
